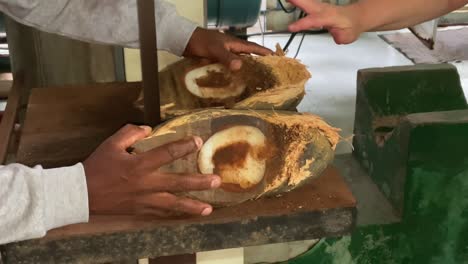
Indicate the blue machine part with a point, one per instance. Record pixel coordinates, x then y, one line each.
233 13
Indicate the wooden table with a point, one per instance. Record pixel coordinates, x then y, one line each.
63 126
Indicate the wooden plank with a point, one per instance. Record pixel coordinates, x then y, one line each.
325 207
5 88
9 119
64 126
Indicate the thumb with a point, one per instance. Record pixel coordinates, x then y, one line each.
229 59
128 135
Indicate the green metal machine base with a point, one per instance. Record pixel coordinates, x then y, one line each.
411 134
233 13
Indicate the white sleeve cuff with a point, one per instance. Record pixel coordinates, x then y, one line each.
174 31
66 196
177 42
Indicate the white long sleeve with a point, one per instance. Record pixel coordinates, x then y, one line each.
35 200
101 21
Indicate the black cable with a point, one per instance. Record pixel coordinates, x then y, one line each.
300 45
289 41
291 38
284 8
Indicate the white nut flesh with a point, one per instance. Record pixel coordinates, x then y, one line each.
233 89
236 154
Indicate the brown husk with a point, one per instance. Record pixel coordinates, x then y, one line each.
305 145
273 82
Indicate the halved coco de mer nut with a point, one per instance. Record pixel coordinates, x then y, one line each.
263 83
214 82
256 153
238 153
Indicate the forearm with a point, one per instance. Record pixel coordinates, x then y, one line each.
109 22
34 200
381 15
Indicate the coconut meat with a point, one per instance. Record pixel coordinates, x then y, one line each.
230 87
236 154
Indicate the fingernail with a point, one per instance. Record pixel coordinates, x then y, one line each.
147 129
198 142
215 183
207 211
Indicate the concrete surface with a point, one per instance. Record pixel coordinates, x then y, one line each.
331 91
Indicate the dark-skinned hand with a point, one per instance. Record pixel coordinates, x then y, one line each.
123 183
219 47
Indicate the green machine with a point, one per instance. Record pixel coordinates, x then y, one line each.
232 14
411 140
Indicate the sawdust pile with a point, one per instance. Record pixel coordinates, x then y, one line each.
288 76
258 76
271 72
286 71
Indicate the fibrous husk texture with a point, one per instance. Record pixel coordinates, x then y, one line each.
299 148
271 82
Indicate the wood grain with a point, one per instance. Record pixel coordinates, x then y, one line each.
8 119
5 88
64 126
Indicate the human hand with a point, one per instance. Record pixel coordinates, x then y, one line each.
223 48
121 183
341 21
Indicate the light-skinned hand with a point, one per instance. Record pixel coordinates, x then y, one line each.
341 21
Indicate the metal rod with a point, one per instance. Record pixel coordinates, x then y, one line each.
149 61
